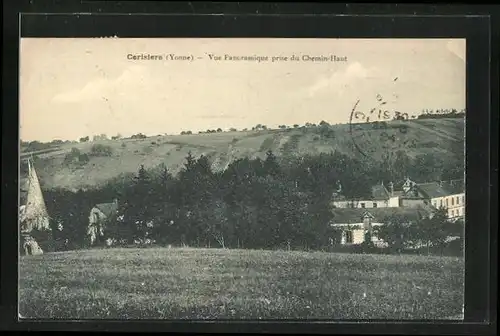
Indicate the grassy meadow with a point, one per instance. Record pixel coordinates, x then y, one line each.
185 283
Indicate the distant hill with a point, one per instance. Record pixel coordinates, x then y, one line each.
443 136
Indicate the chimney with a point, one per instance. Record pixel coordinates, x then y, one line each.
391 188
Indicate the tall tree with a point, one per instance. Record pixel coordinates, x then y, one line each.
396 232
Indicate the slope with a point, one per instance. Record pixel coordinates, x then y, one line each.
443 136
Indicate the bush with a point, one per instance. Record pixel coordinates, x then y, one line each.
72 156
138 136
83 158
326 131
101 150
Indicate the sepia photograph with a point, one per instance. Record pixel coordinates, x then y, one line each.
242 178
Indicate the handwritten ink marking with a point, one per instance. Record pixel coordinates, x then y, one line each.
351 128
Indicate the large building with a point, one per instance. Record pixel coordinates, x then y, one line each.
408 194
351 225
380 198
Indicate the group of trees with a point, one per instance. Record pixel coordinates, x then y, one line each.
441 113
402 233
253 204
76 156
33 146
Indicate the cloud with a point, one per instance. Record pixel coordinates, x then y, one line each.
103 87
341 80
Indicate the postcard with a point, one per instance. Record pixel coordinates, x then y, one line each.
242 178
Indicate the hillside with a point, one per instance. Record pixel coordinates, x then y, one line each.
443 136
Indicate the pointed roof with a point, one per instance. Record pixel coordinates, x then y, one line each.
367 214
380 192
108 209
34 214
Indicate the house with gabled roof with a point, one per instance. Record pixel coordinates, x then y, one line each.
380 198
98 217
352 226
442 196
445 194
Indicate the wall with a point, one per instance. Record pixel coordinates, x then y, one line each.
92 216
358 204
411 202
455 209
358 234
394 202
341 204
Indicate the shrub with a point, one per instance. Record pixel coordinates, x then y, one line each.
72 155
83 158
326 131
101 150
138 136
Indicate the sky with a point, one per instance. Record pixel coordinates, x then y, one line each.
74 87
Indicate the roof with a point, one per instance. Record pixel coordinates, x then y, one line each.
107 209
455 186
434 189
379 192
355 215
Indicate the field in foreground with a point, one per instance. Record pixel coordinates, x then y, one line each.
238 284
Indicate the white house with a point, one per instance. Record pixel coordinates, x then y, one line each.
381 198
437 194
351 225
98 217
441 196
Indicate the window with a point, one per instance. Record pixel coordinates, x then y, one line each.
452 213
458 212
374 204
362 205
452 201
463 199
458 201
348 237
441 203
446 202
